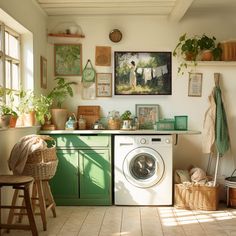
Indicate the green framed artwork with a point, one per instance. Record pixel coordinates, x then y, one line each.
67 59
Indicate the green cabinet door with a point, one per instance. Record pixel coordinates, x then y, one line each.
65 182
95 174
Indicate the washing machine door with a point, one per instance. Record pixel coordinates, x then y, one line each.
143 167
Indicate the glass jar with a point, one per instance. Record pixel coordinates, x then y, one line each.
113 120
82 123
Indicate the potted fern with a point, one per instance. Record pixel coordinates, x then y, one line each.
58 95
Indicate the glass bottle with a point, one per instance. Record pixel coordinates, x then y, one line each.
82 123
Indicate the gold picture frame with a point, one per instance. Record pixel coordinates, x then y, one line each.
104 85
43 72
195 85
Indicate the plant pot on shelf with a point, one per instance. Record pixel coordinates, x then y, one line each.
206 55
190 56
59 118
126 124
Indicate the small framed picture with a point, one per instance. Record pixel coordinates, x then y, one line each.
104 85
148 115
195 85
43 72
103 56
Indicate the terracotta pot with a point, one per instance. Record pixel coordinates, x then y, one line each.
59 118
29 119
13 120
189 56
5 121
206 55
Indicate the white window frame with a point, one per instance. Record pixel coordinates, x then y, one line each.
4 57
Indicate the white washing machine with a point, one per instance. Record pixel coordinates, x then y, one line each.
143 169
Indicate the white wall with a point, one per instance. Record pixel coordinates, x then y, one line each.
142 33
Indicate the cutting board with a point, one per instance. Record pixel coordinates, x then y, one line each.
90 113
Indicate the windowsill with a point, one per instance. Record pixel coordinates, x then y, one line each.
20 128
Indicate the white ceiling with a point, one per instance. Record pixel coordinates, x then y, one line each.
174 9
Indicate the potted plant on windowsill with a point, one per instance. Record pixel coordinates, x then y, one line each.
42 107
26 108
58 95
8 114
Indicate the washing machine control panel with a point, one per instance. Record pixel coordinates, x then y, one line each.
167 140
153 140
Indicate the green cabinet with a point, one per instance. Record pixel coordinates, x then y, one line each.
83 176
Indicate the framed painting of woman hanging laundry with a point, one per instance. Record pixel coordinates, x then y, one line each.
142 73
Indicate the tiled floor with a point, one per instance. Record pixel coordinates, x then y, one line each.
136 221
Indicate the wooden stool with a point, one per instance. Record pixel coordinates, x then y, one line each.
41 197
18 183
42 193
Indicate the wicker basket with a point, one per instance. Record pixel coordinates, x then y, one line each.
41 164
196 197
114 124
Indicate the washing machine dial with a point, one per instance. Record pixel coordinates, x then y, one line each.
143 141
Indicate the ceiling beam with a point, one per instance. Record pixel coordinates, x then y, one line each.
180 9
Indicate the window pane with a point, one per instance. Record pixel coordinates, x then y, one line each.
0 38
13 47
8 74
7 43
1 73
15 77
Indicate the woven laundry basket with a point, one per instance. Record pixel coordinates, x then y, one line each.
42 164
196 197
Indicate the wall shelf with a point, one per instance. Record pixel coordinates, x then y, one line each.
213 63
67 35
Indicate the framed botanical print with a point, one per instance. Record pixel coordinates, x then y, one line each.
104 85
195 85
68 59
148 115
43 72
